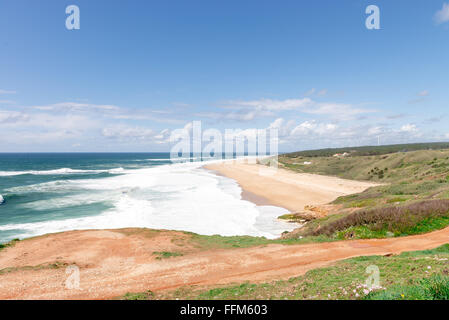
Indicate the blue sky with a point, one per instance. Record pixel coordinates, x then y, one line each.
136 70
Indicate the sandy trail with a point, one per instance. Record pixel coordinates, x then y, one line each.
113 262
286 188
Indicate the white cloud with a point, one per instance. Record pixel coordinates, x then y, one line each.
240 115
408 128
377 130
442 15
310 92
322 92
284 127
315 134
7 102
312 127
271 105
250 110
7 92
313 91
76 107
337 110
124 132
8 117
423 93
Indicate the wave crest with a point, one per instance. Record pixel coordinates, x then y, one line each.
61 171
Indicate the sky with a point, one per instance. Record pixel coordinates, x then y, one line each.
136 71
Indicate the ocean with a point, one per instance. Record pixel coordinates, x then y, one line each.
54 192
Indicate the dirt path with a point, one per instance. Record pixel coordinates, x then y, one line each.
113 262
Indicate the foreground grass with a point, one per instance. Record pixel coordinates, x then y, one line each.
410 275
221 242
435 287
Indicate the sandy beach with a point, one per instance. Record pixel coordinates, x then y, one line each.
284 188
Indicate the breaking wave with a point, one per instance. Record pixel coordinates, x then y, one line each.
62 171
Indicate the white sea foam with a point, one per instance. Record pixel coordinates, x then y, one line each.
61 171
178 196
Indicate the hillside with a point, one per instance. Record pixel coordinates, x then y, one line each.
370 150
412 198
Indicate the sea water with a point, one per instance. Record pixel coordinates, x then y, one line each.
47 193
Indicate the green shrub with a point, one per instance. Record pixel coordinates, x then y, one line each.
166 254
434 288
414 218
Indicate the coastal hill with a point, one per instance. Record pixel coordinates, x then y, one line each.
371 150
401 205
412 198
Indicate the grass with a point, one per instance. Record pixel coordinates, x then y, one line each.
139 296
419 166
434 288
415 275
55 265
290 217
8 244
222 242
370 150
166 254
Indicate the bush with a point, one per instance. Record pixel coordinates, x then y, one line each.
394 219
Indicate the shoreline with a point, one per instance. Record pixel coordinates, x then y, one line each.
279 190
283 188
247 195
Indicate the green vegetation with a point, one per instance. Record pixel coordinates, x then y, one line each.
410 275
291 217
8 244
221 242
139 296
370 150
411 196
216 241
434 288
166 254
55 265
414 218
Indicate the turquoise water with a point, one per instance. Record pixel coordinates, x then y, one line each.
27 179
46 193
